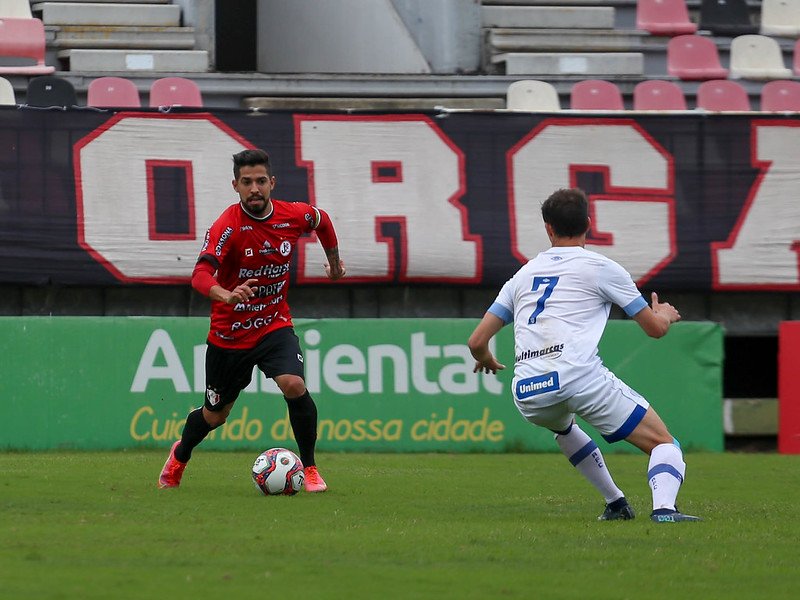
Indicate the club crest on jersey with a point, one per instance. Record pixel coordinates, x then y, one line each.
533 386
212 396
285 248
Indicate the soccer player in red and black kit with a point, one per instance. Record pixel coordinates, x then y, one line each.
244 268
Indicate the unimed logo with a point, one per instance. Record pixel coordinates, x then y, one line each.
540 384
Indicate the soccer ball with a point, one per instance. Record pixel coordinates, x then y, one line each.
277 472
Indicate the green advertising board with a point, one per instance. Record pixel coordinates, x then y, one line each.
381 385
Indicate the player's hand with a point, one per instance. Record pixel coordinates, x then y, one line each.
490 365
242 292
335 270
664 309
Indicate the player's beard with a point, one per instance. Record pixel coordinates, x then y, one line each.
256 205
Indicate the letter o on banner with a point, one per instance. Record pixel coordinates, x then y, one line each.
114 195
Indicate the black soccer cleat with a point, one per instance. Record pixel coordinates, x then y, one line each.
618 510
666 515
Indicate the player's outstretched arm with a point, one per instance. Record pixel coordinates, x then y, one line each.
334 268
326 234
479 344
655 320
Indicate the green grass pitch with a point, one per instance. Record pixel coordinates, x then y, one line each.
85 525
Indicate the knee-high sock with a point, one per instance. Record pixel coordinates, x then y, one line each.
303 417
585 456
194 431
665 474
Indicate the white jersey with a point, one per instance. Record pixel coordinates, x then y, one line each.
559 303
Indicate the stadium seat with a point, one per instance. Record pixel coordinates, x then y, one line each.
7 96
780 17
780 95
50 91
726 17
595 94
694 57
757 57
656 94
532 95
15 9
664 17
107 92
23 38
721 95
175 91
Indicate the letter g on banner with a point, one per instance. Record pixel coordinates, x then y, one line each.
632 219
115 192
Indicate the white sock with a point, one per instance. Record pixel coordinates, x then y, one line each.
585 456
665 473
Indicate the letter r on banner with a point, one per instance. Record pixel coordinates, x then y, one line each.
372 172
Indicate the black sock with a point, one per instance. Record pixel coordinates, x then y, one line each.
303 417
194 431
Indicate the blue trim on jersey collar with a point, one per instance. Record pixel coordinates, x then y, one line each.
628 426
501 312
636 306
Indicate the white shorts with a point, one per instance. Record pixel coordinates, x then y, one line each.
607 403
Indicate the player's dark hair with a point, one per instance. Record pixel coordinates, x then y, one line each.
567 212
250 158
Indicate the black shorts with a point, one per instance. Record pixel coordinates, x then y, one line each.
228 372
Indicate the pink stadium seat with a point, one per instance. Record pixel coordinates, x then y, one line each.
780 95
722 95
595 94
24 38
175 91
106 92
656 94
693 57
664 17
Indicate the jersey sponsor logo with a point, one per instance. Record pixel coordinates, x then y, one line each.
262 291
246 228
533 386
256 323
281 225
248 252
271 271
266 248
223 238
549 352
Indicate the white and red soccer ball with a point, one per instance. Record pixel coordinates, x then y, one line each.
278 472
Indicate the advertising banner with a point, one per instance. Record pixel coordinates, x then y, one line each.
789 387
436 197
381 385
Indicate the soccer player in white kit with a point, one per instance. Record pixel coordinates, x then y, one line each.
559 303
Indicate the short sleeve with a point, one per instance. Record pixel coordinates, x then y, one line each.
503 305
616 285
218 241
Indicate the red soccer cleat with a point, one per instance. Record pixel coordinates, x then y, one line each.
173 470
314 481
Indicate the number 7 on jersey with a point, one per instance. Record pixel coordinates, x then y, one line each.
550 283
